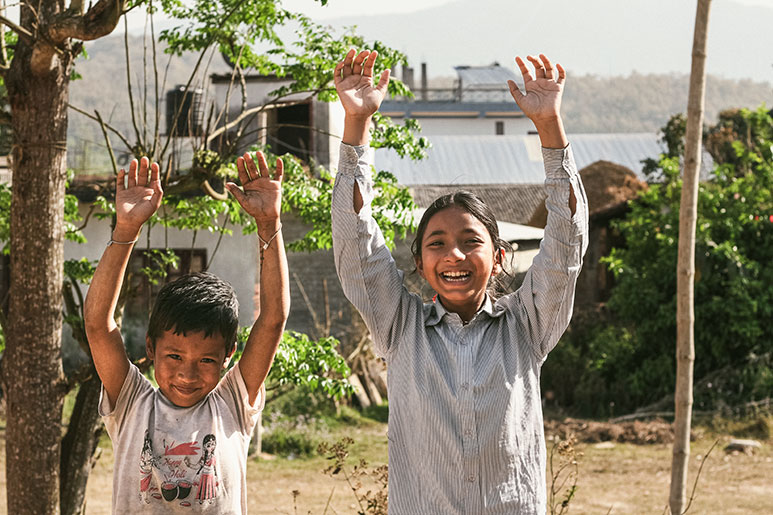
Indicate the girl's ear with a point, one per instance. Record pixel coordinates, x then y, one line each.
419 268
499 259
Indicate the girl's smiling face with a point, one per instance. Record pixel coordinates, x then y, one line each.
458 259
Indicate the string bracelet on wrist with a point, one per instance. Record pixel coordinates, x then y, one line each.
114 242
265 243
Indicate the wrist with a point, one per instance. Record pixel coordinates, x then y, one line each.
268 226
551 132
357 129
125 233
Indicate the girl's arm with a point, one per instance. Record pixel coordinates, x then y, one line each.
367 272
546 297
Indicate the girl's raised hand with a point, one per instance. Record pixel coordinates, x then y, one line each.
354 82
136 201
542 100
262 195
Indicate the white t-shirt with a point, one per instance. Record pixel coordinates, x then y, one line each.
180 460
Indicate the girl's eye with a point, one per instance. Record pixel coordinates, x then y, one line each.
434 244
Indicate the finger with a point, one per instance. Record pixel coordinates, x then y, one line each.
244 176
132 182
119 181
262 165
357 67
561 74
236 192
347 70
370 62
548 67
538 69
280 170
515 91
142 175
338 73
383 82
524 70
155 180
249 163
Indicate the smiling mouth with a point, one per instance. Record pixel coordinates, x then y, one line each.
455 276
184 390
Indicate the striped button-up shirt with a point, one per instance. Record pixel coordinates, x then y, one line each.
465 417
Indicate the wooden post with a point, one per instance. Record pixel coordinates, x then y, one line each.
685 273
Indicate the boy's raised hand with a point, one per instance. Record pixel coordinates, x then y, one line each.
354 83
262 195
542 100
141 197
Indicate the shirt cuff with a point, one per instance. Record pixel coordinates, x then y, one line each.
559 162
355 160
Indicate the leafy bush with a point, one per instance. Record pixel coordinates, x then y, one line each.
293 436
629 359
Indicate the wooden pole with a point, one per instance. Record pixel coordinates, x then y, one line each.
685 273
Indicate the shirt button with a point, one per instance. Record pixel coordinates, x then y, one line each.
471 478
465 386
468 433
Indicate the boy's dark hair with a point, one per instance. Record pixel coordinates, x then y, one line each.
474 205
200 302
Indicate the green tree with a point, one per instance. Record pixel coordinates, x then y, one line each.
37 96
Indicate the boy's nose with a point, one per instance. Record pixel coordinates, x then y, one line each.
187 370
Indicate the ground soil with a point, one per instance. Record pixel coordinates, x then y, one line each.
623 469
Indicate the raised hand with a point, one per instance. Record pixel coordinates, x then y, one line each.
354 83
542 100
141 197
262 195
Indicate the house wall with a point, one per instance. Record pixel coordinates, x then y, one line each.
235 262
472 126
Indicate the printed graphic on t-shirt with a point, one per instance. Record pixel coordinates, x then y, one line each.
177 474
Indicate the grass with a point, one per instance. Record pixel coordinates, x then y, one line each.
626 478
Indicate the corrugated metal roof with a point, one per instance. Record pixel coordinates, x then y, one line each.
457 160
480 76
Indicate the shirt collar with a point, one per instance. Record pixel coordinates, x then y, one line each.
438 311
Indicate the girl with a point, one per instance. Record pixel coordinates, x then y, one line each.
465 419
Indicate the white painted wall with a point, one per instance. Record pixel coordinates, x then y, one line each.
235 262
472 126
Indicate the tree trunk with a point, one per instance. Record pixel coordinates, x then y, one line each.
685 316
32 366
79 445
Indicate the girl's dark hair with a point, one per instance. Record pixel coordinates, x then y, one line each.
200 302
473 204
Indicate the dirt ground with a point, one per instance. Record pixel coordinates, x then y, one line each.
615 475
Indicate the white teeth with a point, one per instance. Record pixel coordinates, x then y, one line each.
455 276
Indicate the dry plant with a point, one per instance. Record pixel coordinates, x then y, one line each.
370 501
563 474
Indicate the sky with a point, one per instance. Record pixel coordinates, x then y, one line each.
343 8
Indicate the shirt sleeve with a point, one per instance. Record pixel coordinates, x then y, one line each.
368 274
134 386
545 300
233 391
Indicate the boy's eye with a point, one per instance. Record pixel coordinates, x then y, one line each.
208 360
174 356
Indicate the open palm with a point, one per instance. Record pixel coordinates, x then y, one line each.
542 97
354 83
262 195
140 197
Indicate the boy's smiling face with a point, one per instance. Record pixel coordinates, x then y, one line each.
187 366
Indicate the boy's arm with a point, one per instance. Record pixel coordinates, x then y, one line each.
134 205
262 198
542 104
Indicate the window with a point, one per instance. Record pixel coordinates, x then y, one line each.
141 291
500 128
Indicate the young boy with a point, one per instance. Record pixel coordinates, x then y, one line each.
183 447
